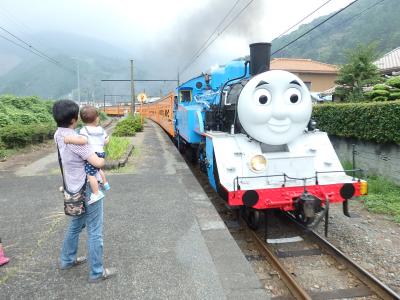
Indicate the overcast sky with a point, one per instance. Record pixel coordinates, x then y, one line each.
178 27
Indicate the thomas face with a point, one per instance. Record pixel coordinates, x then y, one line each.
274 107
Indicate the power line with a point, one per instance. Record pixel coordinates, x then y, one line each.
316 26
219 33
29 45
23 28
287 30
36 53
357 15
211 35
32 49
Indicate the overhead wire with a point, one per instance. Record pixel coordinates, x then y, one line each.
218 35
357 15
23 29
310 14
36 53
315 27
29 45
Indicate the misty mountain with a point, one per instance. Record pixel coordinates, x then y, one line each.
26 74
355 25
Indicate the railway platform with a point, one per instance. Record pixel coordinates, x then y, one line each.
161 232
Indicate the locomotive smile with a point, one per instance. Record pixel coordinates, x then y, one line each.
279 126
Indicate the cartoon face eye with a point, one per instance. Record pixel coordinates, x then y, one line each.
262 97
292 96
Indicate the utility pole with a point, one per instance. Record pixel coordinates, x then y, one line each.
132 90
79 88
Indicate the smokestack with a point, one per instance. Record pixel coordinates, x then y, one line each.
260 56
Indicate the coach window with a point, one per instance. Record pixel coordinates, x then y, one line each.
186 95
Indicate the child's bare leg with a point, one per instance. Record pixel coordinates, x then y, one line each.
103 176
94 185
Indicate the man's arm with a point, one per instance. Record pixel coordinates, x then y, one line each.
107 140
96 161
75 139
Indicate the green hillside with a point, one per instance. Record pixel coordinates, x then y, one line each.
35 76
327 43
49 81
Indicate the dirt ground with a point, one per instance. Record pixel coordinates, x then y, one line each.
371 240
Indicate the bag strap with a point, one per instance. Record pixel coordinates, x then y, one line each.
62 172
61 168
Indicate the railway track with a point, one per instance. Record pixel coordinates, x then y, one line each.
295 262
310 245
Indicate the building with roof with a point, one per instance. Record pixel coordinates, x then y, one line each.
389 64
316 75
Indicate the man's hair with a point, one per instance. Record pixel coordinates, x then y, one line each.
89 114
64 111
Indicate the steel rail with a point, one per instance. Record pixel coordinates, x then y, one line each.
363 275
294 287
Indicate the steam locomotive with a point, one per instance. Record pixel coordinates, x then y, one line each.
251 132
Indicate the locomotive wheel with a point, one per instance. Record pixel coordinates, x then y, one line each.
299 215
252 217
181 145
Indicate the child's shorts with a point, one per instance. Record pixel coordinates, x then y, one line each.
90 169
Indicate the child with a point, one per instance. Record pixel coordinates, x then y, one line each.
96 137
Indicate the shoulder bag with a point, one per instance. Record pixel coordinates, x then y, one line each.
74 203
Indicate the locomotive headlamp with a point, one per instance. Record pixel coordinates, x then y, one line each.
258 163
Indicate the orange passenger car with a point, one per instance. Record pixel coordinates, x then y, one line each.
161 112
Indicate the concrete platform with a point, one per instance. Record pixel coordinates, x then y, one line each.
160 231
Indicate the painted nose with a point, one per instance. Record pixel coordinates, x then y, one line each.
279 112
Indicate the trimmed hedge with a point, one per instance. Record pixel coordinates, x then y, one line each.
394 82
372 121
18 136
128 126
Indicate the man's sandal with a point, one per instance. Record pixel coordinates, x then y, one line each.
77 262
107 273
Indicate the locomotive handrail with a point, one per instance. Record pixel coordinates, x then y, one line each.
285 176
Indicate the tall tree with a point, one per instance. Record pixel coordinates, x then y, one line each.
358 72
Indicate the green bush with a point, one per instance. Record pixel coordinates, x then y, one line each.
4 120
379 93
373 121
380 98
392 96
23 118
43 117
381 86
124 130
2 154
394 82
21 135
128 126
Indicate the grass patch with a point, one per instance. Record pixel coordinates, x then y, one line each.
130 166
117 147
383 197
